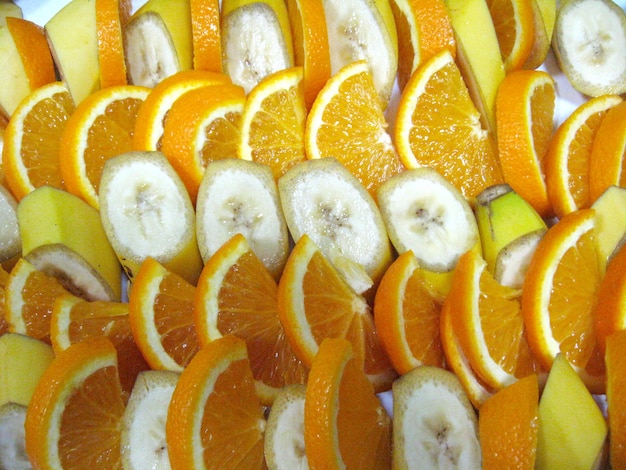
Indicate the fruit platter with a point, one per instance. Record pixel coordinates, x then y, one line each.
282 234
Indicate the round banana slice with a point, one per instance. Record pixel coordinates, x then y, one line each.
284 432
434 424
240 196
10 241
12 442
425 213
589 42
143 443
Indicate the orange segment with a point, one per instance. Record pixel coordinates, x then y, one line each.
30 154
610 312
515 28
566 164
273 121
100 128
215 420
73 420
616 396
559 296
315 302
160 305
152 113
350 101
111 18
467 157
345 425
407 317
237 295
508 424
310 44
525 106
206 35
202 125
608 153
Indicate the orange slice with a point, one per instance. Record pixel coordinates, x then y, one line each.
608 153
488 323
525 106
74 415
515 28
111 18
273 121
559 296
160 309
616 396
349 101
206 35
237 295
508 424
310 45
215 419
315 302
29 298
100 128
152 113
30 155
407 316
345 425
424 28
202 125
566 164
467 157
610 312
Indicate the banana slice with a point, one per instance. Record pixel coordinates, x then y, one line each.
423 212
143 443
240 196
12 441
146 211
10 241
284 432
589 42
434 425
256 40
322 199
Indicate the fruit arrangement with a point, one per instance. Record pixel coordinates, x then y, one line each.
313 234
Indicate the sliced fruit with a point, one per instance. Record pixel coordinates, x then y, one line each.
566 164
26 62
80 256
142 438
510 229
423 29
12 447
478 55
160 307
610 311
146 211
273 121
542 15
434 422
9 8
323 200
30 154
547 9
256 40
206 35
344 422
423 137
4 277
425 213
309 288
158 41
284 432
76 409
215 418
559 297
572 429
310 45
239 196
101 127
111 19
22 361
349 100
202 125
590 45
237 295
515 29
615 397
610 223
508 425
525 112
73 39
10 239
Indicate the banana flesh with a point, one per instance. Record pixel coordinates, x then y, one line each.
12 441
10 241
